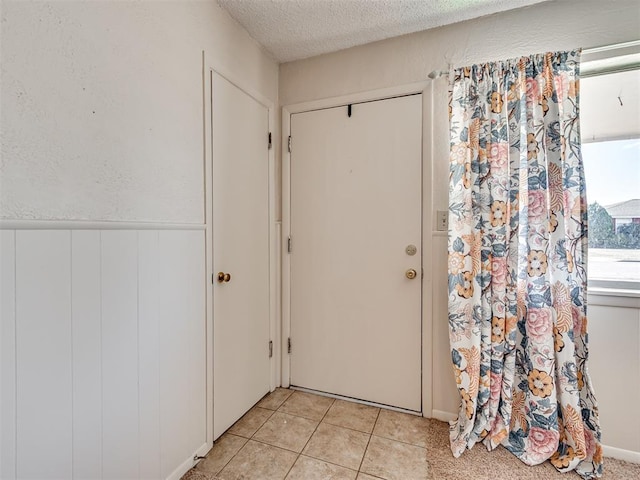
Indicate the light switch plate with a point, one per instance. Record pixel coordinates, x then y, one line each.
442 220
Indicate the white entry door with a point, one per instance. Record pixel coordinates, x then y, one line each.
241 365
356 190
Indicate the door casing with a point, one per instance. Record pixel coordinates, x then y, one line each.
428 227
274 229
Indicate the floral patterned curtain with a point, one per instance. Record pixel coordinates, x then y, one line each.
517 263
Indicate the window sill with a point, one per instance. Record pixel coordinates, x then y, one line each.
613 297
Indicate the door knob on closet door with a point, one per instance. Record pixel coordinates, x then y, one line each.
411 274
224 277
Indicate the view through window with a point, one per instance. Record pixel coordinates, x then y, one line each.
610 124
612 171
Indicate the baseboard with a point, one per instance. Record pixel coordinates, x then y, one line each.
189 462
620 454
443 416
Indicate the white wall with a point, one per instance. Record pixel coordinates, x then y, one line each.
103 325
614 340
408 59
102 106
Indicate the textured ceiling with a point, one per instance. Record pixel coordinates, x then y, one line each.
295 29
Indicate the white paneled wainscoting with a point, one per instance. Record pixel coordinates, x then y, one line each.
102 352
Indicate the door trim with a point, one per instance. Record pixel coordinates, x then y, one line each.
208 70
426 89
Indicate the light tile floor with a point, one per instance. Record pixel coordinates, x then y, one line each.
295 435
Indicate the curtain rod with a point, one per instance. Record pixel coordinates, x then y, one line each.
598 53
437 74
613 46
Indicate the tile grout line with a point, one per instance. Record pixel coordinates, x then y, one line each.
299 454
262 442
247 438
291 451
271 412
400 441
252 435
232 456
380 410
335 424
353 429
310 436
328 462
368 442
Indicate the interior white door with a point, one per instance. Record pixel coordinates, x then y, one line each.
355 211
241 365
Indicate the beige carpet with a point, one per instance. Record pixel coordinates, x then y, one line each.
478 464
500 464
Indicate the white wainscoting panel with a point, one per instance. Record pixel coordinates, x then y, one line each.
7 354
86 324
120 354
103 372
149 353
44 354
183 360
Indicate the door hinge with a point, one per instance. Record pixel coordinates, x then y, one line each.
289 345
270 143
289 144
270 348
289 244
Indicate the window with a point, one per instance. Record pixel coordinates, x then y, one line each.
612 171
610 112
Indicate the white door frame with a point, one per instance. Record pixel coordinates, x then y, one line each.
427 219
274 289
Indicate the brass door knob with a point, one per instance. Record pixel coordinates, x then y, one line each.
224 277
411 274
